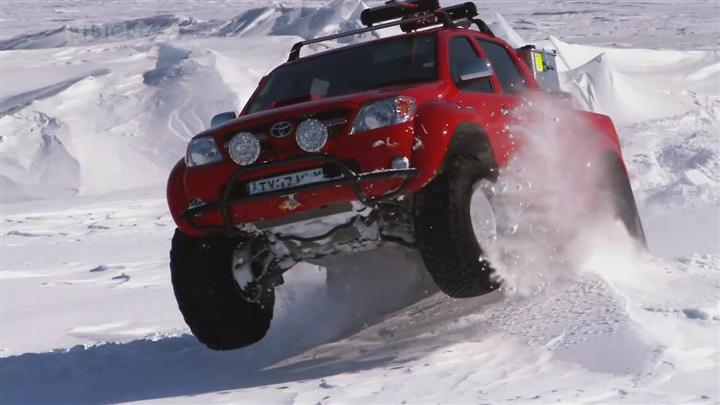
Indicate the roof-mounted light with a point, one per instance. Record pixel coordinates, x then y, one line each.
397 9
414 8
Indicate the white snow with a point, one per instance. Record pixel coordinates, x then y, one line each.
97 101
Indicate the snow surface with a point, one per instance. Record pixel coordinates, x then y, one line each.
97 101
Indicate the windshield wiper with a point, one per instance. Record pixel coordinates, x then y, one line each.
295 100
405 80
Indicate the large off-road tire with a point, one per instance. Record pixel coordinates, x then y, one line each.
209 297
444 230
618 187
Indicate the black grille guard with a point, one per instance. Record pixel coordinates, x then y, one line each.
348 176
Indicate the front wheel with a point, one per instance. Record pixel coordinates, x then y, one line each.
208 295
448 228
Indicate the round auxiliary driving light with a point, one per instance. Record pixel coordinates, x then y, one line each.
244 148
311 135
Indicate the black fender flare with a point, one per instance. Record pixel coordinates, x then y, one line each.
471 139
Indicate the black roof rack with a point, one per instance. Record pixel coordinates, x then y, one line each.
480 24
410 16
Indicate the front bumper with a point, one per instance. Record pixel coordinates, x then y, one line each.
369 188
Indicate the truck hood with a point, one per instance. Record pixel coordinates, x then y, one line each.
346 103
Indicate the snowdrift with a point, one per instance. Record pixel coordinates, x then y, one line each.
166 25
634 85
125 109
305 22
121 114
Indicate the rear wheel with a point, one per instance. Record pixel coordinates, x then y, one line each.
208 295
618 186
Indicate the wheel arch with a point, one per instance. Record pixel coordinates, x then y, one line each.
443 129
177 199
471 139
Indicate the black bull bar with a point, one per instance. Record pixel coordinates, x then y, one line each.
347 176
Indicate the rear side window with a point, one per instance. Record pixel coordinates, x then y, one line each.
511 80
461 50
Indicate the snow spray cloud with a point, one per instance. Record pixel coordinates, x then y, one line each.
548 198
556 224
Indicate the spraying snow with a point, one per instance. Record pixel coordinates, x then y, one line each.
548 196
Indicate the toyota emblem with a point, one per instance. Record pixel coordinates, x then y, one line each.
281 129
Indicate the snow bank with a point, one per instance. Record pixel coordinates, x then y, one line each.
143 97
124 97
83 36
502 29
35 163
121 114
634 85
306 22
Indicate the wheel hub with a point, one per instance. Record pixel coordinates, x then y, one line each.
482 215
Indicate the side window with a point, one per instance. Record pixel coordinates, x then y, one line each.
461 50
511 80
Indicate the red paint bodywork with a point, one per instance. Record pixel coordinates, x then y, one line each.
441 107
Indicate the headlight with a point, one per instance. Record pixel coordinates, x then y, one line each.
244 148
384 113
202 151
311 135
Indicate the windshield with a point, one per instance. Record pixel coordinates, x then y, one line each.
410 59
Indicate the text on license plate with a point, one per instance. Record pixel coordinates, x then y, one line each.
289 180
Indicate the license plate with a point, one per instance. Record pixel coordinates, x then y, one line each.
289 180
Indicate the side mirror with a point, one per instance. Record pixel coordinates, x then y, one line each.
222 118
474 69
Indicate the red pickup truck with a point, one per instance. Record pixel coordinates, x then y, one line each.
376 143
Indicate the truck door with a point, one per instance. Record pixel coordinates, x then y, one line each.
492 100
